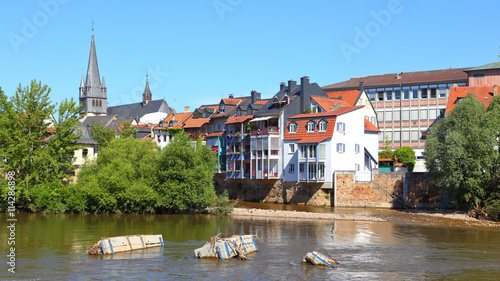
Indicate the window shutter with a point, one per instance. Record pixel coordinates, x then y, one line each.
343 127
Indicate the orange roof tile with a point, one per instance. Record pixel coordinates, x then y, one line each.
195 123
239 119
261 102
316 137
181 117
349 96
215 134
370 127
142 126
336 112
482 93
328 103
232 101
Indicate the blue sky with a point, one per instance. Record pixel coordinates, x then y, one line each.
199 51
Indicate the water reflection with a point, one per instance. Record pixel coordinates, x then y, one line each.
53 247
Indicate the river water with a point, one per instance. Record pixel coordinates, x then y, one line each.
406 247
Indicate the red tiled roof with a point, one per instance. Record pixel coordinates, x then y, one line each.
482 93
215 134
349 96
239 119
328 103
232 101
181 117
195 123
142 126
432 76
370 127
316 137
328 113
261 101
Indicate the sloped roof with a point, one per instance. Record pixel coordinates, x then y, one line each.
104 120
215 134
137 110
337 112
262 102
482 93
431 76
490 66
195 123
180 117
232 101
239 119
349 96
328 103
85 138
316 137
369 127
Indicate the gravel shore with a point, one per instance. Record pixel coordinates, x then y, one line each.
301 215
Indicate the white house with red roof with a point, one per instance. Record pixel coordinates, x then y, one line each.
319 144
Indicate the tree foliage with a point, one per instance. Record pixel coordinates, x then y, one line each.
462 154
101 134
406 155
38 148
185 175
128 130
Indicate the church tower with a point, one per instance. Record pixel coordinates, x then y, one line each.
93 94
146 95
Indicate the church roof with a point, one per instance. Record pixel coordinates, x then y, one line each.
93 79
137 110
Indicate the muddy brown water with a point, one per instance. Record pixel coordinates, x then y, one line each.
405 247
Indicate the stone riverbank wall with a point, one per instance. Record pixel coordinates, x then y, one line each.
385 190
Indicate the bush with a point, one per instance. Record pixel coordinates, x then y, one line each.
222 206
492 208
406 155
386 154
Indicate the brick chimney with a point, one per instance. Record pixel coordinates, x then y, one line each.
187 109
231 96
305 96
282 86
255 96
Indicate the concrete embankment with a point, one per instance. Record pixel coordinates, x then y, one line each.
301 215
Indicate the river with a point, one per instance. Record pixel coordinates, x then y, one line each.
405 247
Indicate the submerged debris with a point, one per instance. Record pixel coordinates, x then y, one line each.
236 246
125 244
319 259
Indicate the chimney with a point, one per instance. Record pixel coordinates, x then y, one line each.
291 85
282 86
186 109
495 91
256 96
173 116
231 96
305 96
361 87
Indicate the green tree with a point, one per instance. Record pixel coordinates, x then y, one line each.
101 134
128 130
186 175
38 148
406 155
122 180
460 151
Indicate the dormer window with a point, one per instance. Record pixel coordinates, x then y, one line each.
238 112
310 127
249 111
322 126
292 128
221 108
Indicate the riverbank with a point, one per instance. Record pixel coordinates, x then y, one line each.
461 218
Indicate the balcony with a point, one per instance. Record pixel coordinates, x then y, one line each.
266 131
312 176
271 173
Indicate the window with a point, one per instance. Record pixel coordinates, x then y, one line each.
432 114
322 126
423 114
424 93
93 102
406 115
414 115
389 94
397 115
85 152
380 115
388 116
302 151
356 167
441 112
478 76
249 111
406 136
397 136
406 94
371 94
414 136
291 148
291 169
292 128
433 93
100 102
415 94
301 167
340 147
341 126
442 90
356 148
221 108
238 112
312 151
310 126
397 94
380 95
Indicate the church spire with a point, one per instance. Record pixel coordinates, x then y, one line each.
146 96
